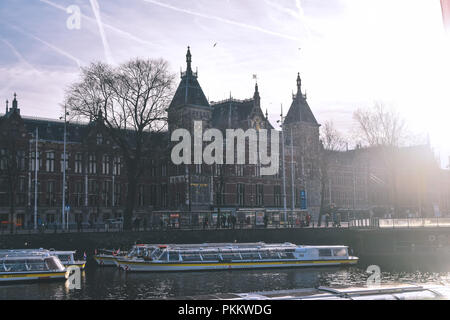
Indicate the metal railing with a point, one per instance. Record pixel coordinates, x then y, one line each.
399 223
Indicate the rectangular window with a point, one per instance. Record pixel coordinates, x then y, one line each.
117 166
79 194
277 195
260 195
92 165
141 195
105 164
79 163
106 193
240 194
93 193
33 160
117 194
20 160
239 170
50 196
3 159
164 195
50 163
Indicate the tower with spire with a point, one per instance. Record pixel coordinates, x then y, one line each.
189 102
302 130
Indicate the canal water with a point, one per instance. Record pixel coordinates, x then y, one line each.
110 283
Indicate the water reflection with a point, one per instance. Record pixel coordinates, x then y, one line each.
110 283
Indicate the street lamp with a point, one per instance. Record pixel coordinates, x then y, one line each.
64 171
281 122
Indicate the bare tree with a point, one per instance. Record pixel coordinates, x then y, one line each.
380 126
332 141
130 101
384 128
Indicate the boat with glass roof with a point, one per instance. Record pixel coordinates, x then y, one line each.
67 258
226 256
106 257
30 265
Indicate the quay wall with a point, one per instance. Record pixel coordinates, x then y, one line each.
368 244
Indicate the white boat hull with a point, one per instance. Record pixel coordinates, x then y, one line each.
31 276
144 266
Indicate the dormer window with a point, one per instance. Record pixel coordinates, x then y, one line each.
99 138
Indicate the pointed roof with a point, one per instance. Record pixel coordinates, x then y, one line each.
232 113
300 110
189 91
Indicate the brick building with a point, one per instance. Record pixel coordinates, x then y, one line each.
96 179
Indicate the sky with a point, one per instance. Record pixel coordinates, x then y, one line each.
350 53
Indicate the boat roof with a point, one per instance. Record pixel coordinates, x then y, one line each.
61 252
241 246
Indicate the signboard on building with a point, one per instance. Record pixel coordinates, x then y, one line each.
303 204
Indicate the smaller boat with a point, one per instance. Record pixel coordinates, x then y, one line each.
105 257
30 265
67 258
137 252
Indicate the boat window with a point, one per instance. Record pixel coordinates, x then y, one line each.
174 256
231 256
35 265
64 257
163 257
52 263
341 252
269 255
191 257
324 252
156 253
287 255
210 257
250 256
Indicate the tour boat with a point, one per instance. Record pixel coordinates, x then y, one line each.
28 265
225 256
67 258
138 251
105 257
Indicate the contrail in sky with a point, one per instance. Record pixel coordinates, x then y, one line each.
19 55
96 9
302 17
283 9
117 30
56 49
216 18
